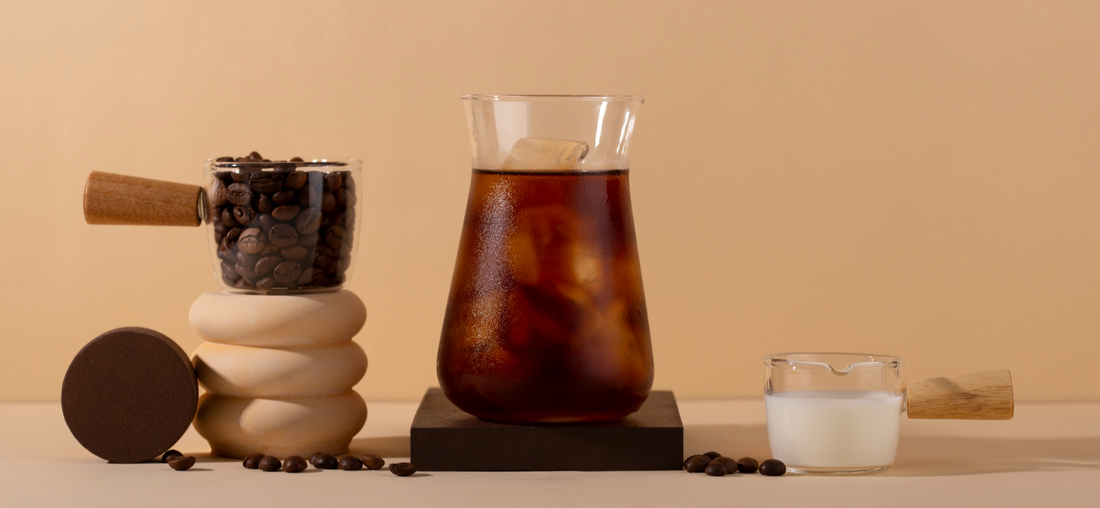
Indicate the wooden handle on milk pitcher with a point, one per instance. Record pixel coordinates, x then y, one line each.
976 396
120 199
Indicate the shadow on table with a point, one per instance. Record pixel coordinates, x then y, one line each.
389 446
951 456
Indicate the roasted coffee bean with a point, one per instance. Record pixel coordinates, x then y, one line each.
307 276
747 465
328 202
238 194
295 180
309 242
350 463
230 281
252 461
349 182
284 197
730 464
224 159
285 212
403 468
287 271
228 269
773 467
303 196
181 463
243 283
322 261
294 464
346 198
270 464
227 254
282 235
715 469
246 270
712 455
334 238
220 228
313 458
294 252
255 156
266 221
325 461
333 180
227 244
338 267
296 159
696 463
217 193
244 215
267 264
372 462
318 279
246 258
309 221
265 283
228 219
251 241
283 167
265 204
266 182
169 455
241 174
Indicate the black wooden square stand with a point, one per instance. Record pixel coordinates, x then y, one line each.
446 439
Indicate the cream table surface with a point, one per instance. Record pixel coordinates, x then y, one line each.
1049 455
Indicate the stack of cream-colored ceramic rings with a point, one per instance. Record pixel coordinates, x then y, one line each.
278 371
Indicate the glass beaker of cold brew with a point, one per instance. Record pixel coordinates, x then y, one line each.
546 320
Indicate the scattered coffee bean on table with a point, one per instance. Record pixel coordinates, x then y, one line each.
715 469
372 462
181 463
169 455
730 464
313 458
253 461
294 464
270 464
747 465
280 226
403 468
325 461
350 463
696 463
773 467
712 455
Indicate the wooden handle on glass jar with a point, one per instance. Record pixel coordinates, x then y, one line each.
976 396
129 200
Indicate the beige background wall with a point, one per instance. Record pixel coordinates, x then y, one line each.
916 178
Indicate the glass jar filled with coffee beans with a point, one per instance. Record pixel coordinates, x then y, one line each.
281 226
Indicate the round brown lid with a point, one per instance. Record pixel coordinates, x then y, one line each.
129 395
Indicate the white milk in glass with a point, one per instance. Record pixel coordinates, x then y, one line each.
833 428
